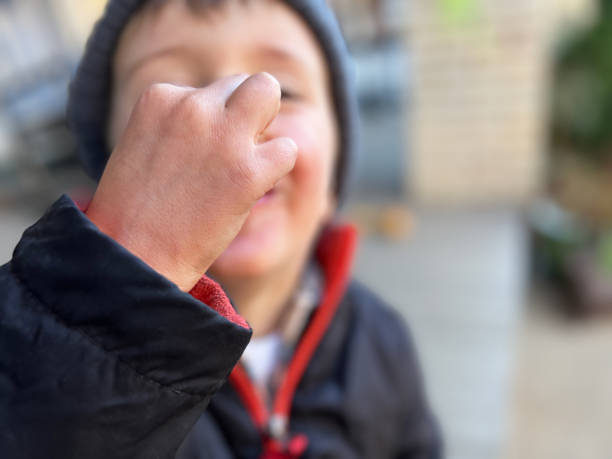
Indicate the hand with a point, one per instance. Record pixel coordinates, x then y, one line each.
186 171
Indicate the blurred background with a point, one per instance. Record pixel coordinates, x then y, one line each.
483 194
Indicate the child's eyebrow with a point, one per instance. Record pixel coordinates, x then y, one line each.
174 51
286 56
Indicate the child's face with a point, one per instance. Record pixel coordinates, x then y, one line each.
175 45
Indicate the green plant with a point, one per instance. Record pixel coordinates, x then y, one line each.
458 12
582 109
604 252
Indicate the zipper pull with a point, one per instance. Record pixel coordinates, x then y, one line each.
278 427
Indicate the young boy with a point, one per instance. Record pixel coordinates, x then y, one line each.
112 344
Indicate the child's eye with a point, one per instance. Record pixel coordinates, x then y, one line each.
288 94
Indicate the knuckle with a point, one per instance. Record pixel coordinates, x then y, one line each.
156 102
195 112
157 95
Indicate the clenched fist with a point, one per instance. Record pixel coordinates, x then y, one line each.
186 171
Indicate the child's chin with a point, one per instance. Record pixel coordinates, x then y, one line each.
249 255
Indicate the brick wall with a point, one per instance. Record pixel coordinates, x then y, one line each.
479 111
78 17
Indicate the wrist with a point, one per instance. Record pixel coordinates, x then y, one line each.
153 249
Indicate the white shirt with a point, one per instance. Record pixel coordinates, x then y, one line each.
261 357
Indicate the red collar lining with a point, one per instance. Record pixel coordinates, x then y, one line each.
211 293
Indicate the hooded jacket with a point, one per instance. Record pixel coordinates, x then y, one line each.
102 357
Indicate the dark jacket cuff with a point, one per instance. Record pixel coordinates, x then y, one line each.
93 284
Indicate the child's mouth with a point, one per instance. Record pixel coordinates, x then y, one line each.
265 198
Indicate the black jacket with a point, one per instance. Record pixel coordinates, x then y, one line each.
101 357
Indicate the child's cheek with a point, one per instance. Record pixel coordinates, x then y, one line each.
312 169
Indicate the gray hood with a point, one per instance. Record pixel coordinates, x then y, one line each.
89 95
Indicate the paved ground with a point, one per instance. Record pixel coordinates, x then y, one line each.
12 224
562 402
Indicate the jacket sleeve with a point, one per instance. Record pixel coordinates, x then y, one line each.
100 356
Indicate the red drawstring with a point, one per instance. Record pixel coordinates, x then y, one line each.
293 449
249 396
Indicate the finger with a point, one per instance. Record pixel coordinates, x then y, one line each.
255 102
277 158
224 87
